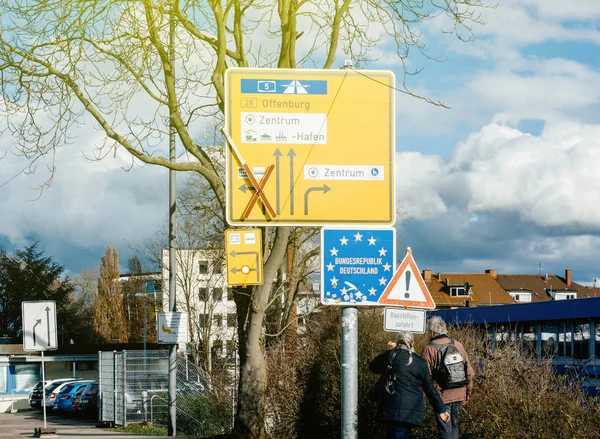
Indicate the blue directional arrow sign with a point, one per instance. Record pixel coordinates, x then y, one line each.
356 264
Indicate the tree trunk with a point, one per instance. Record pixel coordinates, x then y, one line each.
250 416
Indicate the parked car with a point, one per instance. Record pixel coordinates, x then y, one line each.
86 402
64 398
52 389
35 394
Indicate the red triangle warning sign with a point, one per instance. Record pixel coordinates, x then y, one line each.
407 287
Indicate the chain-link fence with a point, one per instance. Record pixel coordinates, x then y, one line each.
134 387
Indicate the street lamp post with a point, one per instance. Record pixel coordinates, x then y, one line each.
145 296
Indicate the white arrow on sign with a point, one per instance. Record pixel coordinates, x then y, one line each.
39 326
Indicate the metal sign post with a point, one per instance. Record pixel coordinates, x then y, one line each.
356 264
40 334
349 320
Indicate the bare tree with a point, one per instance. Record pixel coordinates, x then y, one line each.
134 295
135 68
86 286
109 316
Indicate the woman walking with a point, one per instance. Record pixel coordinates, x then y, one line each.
402 408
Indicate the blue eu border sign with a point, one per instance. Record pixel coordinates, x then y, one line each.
356 264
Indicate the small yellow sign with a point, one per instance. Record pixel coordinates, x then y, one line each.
244 256
329 134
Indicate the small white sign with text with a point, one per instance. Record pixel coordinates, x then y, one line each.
400 319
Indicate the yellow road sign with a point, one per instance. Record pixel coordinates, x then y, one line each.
329 135
244 256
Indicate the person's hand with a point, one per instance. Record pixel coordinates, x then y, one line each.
392 345
445 417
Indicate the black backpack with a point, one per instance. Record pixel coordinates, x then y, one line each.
450 371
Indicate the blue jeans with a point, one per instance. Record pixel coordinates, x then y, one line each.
449 430
397 431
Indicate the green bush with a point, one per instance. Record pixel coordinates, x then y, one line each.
198 415
514 396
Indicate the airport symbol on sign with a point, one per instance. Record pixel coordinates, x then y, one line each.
39 326
407 287
356 264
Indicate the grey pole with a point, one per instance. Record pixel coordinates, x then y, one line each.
349 331
172 416
145 318
44 390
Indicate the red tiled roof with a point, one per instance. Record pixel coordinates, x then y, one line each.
485 290
591 292
539 285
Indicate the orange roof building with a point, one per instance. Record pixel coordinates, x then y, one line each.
463 290
543 287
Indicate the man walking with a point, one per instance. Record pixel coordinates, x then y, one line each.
451 371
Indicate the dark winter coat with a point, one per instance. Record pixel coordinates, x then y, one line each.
407 404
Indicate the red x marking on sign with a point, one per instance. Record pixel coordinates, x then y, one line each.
259 191
258 186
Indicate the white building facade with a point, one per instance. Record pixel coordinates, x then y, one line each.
203 293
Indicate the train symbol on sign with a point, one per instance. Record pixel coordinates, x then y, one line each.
266 86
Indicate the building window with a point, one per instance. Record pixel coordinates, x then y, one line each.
549 340
565 339
203 267
458 291
218 267
203 320
521 297
218 321
582 341
529 338
203 294
217 349
231 320
217 294
229 293
26 376
231 347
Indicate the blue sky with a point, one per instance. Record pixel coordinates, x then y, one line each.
506 179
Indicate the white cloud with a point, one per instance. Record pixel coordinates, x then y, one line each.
559 10
506 200
419 179
524 22
89 203
549 180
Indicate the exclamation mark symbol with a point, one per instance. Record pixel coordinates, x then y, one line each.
407 294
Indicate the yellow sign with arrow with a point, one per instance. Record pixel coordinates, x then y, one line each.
309 147
244 256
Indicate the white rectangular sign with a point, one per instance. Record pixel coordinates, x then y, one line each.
284 128
343 172
400 319
39 326
172 327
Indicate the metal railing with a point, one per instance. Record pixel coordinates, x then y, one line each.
133 387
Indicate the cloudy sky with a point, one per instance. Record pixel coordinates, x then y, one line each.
508 178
